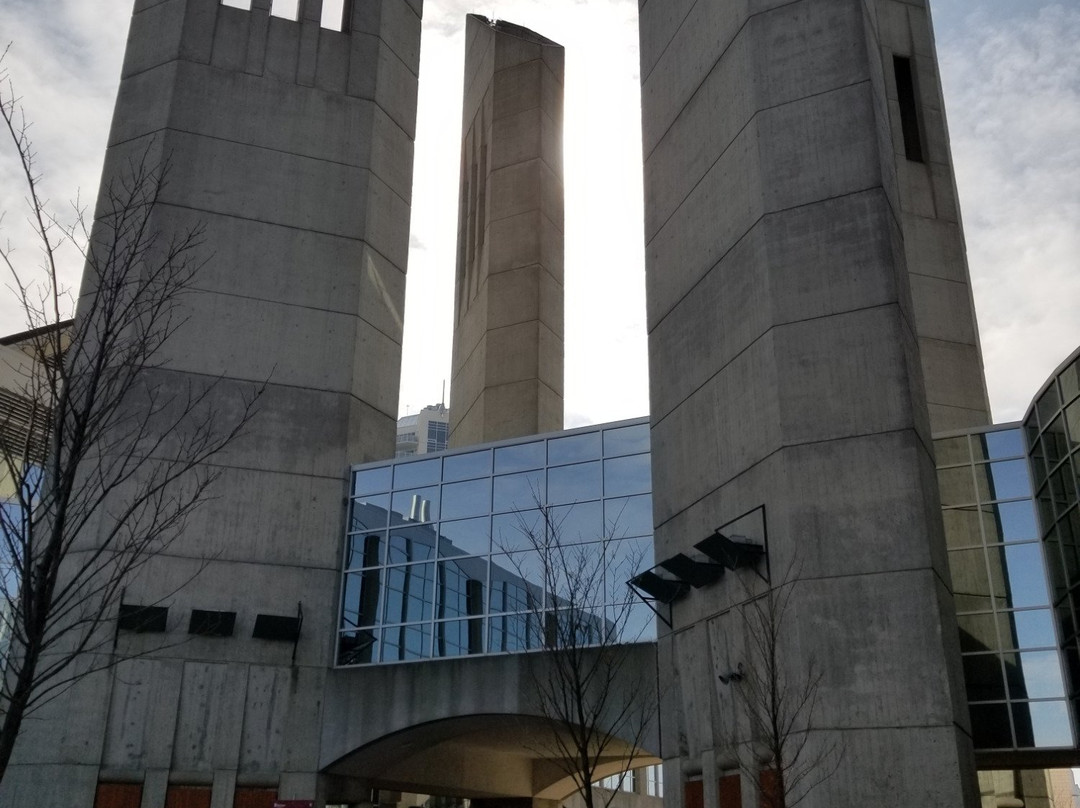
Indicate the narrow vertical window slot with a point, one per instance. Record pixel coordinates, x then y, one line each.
333 15
286 9
909 108
244 4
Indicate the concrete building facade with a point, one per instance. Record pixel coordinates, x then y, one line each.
508 303
808 304
423 432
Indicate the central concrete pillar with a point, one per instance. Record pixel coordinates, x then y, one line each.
508 303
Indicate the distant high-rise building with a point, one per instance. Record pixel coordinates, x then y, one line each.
508 306
423 432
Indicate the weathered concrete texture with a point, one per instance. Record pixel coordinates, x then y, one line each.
508 334
291 147
810 322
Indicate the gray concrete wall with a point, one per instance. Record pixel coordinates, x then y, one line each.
292 146
805 286
507 373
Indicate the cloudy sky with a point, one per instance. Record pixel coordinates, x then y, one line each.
1011 75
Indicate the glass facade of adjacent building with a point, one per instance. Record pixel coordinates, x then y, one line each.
1052 433
1012 667
444 555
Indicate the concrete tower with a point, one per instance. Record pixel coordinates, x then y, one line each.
508 305
808 300
292 145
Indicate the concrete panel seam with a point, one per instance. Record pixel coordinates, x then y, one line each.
712 67
706 171
514 215
247 562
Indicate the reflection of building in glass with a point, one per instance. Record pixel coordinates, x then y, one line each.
423 432
440 557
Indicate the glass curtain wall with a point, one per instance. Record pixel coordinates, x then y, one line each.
444 555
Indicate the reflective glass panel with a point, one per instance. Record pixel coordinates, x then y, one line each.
406 642
408 544
459 637
969 577
1049 722
1070 381
1032 628
513 632
982 675
417 505
1072 423
1027 581
952 451
360 599
978 632
1055 445
517 582
357 647
517 531
462 586
371 481
466 537
418 473
466 466
639 624
1009 479
518 492
1034 675
962 527
581 522
628 516
625 559
1063 487
1016 522
365 550
574 483
1049 403
957 486
472 498
990 726
519 458
574 448
627 475
410 593
370 512
999 445
626 440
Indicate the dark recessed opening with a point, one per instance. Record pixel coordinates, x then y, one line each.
208 623
276 627
909 108
143 619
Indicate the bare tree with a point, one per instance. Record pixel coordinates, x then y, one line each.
104 465
597 704
780 703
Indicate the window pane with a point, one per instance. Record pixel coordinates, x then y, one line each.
1055 446
1027 581
467 466
410 593
518 492
628 516
952 451
574 483
625 559
369 512
409 544
357 647
574 448
983 677
519 458
1048 403
1016 522
638 624
1049 722
360 599
627 475
978 632
517 582
1034 675
413 475
1009 480
517 531
513 632
968 571
1070 381
406 642
333 14
626 440
573 524
1072 423
459 637
998 445
417 505
461 588
1031 629
962 527
365 550
957 486
285 8
467 537
371 481
472 498
990 726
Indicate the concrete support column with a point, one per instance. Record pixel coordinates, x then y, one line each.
224 788
155 787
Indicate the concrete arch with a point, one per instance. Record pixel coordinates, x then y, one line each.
468 727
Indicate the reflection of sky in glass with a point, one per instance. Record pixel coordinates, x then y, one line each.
627 475
1010 479
1051 723
1027 580
472 498
1034 628
1042 675
574 448
466 466
626 440
520 457
418 473
1005 443
1017 521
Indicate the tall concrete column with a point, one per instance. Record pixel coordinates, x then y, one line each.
809 319
291 146
508 304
